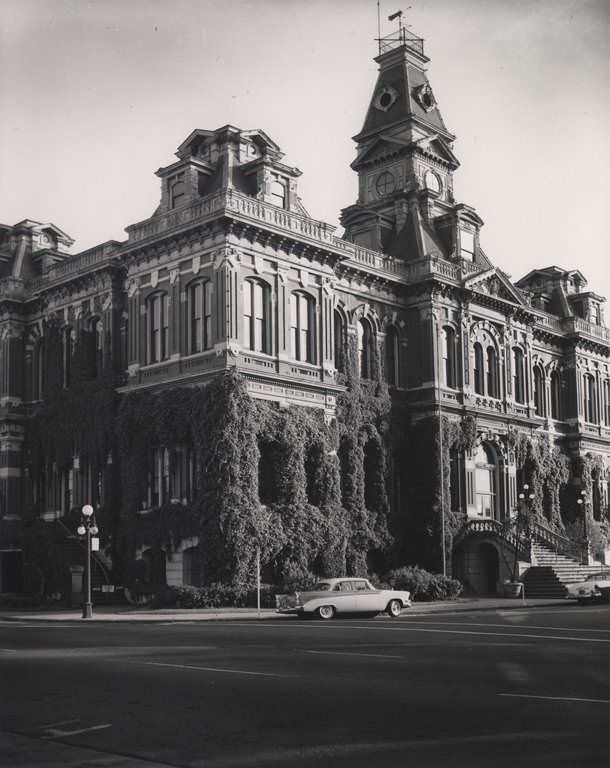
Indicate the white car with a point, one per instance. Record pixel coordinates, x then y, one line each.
346 595
596 588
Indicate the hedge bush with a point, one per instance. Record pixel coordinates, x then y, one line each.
215 596
422 584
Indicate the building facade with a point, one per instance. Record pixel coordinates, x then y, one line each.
393 389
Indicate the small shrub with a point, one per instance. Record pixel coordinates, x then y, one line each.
422 584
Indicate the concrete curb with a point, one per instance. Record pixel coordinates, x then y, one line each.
164 616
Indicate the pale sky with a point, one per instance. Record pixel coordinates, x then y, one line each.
98 94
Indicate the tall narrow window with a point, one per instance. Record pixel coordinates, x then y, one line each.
278 194
606 405
302 319
493 389
97 329
67 351
391 356
556 411
256 316
365 348
177 194
38 370
539 391
181 473
479 373
518 376
191 567
159 479
449 357
485 481
158 327
339 341
467 244
200 316
590 393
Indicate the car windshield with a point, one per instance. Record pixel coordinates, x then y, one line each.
321 586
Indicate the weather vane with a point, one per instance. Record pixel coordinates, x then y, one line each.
398 15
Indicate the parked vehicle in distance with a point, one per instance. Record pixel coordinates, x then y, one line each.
595 589
345 595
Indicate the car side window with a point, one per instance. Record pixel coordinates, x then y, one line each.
360 586
346 586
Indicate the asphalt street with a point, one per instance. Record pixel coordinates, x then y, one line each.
502 688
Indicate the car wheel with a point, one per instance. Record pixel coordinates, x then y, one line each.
394 608
325 612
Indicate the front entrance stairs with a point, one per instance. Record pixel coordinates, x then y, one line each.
552 572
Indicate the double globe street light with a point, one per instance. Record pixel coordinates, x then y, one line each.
87 528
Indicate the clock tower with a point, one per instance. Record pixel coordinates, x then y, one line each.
404 161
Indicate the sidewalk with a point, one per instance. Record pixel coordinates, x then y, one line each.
104 613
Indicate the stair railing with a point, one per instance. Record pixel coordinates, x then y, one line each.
561 545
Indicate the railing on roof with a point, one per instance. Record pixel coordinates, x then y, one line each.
81 262
400 38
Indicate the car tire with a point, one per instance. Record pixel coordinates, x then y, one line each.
325 612
394 608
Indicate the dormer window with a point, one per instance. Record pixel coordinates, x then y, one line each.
467 244
278 194
177 194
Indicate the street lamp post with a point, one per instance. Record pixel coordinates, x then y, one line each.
582 504
525 499
87 528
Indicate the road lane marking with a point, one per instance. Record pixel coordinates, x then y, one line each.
528 626
554 698
414 628
205 669
8 650
54 725
347 653
57 733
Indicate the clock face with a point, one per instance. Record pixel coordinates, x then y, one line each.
385 184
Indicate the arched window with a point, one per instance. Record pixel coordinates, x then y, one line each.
256 316
157 314
556 410
365 348
392 356
200 316
518 376
339 341
449 357
67 352
191 567
177 194
278 194
539 391
485 481
493 389
302 327
590 392
479 373
96 326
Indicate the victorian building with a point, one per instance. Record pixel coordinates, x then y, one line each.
437 386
